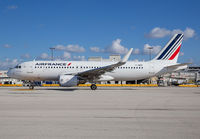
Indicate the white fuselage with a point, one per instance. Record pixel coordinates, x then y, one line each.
51 70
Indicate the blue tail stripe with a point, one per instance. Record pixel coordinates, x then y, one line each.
173 47
170 45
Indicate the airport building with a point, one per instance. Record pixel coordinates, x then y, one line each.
191 75
111 58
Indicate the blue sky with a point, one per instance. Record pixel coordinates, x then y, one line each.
83 28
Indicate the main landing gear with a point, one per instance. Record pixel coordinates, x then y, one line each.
31 85
93 87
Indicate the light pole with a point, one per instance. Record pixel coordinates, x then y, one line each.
150 48
52 49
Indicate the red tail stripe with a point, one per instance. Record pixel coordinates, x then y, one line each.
175 53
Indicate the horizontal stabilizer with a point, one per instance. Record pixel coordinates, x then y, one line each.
178 65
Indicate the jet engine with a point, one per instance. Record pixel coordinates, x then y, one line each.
68 80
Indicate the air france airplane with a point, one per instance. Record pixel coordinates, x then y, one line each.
72 73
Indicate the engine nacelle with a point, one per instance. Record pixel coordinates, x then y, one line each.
105 78
68 80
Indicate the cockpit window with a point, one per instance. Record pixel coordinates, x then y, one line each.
18 67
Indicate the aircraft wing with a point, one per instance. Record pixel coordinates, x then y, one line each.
96 73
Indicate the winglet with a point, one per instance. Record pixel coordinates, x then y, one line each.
125 58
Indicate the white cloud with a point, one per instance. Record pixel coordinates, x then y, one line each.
79 58
116 47
136 51
25 56
96 49
162 32
44 56
158 33
154 50
189 33
135 60
8 63
7 46
12 7
66 55
70 48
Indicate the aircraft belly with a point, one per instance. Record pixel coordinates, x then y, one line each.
129 75
39 75
48 75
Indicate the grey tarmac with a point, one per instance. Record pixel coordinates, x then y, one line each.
106 113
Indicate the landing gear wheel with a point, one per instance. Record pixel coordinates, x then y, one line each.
93 87
31 87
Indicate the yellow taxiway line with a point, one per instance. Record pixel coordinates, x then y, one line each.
88 85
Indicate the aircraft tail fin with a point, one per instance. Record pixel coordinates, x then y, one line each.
171 50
